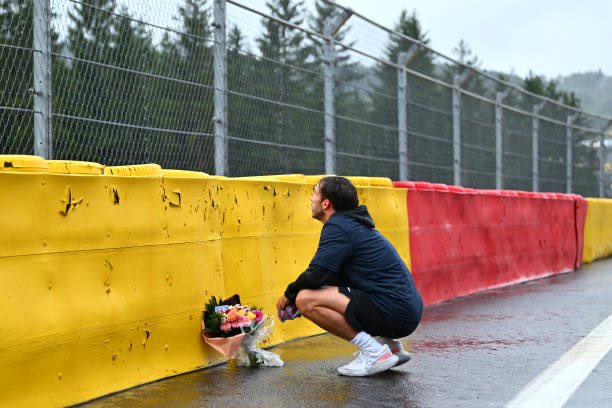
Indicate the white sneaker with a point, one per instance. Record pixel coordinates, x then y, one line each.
365 365
397 349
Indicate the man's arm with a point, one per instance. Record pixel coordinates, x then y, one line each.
314 277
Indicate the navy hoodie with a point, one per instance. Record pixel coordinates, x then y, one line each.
353 253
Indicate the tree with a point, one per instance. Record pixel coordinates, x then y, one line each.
552 144
16 76
349 91
196 100
477 136
134 91
420 114
87 97
286 76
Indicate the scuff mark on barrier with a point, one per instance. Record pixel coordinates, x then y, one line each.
144 341
69 202
107 281
116 197
8 164
177 201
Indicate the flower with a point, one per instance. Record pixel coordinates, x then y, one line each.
224 320
234 330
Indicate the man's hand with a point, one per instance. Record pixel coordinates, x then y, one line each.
280 305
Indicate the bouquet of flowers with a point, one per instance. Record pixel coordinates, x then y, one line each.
234 330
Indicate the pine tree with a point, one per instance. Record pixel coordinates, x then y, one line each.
194 101
552 144
420 116
287 75
349 97
87 93
134 90
242 77
477 135
16 77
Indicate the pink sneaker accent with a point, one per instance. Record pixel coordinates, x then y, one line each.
363 366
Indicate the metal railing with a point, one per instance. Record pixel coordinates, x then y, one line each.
239 87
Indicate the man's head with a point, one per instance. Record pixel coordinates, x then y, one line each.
332 194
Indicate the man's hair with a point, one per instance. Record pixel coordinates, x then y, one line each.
340 191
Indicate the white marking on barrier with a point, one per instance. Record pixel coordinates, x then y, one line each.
553 387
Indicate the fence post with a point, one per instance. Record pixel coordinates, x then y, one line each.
220 83
43 143
569 130
602 158
329 87
458 81
499 114
535 129
403 59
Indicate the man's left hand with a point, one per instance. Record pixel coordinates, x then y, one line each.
281 304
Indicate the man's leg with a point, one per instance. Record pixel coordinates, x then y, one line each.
326 307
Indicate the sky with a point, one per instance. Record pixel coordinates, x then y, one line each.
546 37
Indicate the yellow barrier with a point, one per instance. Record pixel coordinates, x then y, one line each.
74 167
22 163
598 229
103 278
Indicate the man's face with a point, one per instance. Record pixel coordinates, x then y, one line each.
316 204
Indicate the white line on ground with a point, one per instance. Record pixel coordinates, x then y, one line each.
554 386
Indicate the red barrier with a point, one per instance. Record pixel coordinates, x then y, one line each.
465 240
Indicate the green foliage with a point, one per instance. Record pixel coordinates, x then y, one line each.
128 92
212 319
16 35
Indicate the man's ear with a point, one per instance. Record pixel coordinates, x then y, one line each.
326 204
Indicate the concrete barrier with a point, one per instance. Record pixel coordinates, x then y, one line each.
598 229
464 240
103 277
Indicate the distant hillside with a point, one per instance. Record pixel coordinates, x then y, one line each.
594 90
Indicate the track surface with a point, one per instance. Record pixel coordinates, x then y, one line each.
476 351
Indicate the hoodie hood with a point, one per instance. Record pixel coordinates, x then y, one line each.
361 214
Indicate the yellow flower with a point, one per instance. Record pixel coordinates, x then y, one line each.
251 315
241 312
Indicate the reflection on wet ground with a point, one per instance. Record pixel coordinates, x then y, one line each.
477 351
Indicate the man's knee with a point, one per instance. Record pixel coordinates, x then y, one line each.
306 300
329 297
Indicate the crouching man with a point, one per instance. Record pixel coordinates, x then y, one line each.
356 285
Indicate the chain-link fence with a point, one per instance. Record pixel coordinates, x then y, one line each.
249 87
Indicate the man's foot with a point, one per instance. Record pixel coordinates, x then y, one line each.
397 349
365 365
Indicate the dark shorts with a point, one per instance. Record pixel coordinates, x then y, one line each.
363 315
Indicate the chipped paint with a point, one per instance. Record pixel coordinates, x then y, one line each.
114 269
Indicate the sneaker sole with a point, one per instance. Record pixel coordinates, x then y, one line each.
390 362
402 359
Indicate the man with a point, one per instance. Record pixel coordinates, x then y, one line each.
356 286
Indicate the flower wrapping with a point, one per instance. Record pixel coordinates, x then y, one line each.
235 329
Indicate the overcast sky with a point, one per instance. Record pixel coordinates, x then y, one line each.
547 37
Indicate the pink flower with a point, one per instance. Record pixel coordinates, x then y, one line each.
258 315
241 321
225 326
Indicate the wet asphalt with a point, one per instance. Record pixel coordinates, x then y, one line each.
475 351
